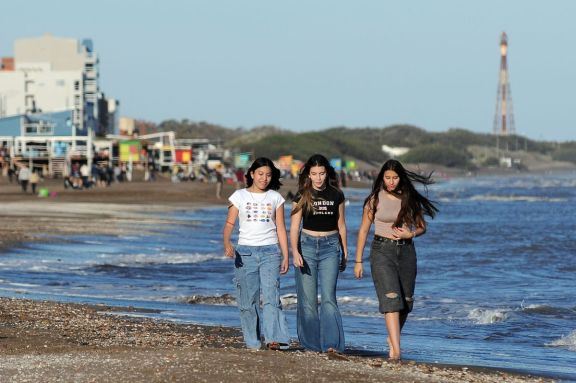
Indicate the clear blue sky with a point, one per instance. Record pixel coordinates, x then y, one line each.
312 64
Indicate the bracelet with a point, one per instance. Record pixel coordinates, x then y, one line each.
358 262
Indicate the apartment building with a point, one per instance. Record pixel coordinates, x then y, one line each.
52 74
51 104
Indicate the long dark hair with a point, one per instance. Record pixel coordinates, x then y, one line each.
414 205
305 188
260 162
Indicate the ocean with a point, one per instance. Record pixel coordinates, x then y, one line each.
495 287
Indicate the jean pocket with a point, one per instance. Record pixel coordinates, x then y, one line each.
243 250
238 260
305 268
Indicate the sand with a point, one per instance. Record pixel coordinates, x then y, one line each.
57 342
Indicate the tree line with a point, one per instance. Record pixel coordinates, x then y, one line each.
450 148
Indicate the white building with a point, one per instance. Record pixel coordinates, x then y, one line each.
53 74
395 151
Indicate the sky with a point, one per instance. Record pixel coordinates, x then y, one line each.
307 65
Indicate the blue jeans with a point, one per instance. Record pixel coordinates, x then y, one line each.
319 332
258 271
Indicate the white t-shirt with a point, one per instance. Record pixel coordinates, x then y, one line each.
257 216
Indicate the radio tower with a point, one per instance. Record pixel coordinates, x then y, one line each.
504 116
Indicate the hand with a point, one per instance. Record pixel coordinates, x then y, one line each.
358 270
284 266
229 250
297 260
401 233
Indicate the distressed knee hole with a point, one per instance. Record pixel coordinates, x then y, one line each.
392 295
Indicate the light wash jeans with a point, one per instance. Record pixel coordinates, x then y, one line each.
258 271
321 266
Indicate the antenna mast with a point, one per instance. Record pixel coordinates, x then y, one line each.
504 116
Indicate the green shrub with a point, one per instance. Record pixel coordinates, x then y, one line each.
565 153
438 154
491 161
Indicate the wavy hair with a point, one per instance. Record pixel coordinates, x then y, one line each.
414 205
261 162
305 188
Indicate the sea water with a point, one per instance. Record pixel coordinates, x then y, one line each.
496 282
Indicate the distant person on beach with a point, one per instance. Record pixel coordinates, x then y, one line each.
240 179
24 178
11 173
343 179
219 182
397 210
34 179
319 251
85 175
260 256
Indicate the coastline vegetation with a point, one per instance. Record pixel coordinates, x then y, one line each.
455 148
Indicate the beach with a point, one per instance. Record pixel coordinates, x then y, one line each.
59 342
54 342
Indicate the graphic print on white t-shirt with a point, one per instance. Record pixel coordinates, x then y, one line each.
258 211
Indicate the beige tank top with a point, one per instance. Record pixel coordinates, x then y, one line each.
386 214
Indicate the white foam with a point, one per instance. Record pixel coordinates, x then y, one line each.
92 242
515 198
568 341
289 299
23 284
487 316
447 300
357 300
292 299
151 259
362 314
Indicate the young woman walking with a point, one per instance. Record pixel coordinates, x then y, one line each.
261 255
397 210
317 249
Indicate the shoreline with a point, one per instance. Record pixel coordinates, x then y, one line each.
39 340
54 334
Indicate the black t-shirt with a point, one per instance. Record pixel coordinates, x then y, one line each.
325 215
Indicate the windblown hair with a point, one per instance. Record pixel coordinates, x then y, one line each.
414 205
258 163
305 188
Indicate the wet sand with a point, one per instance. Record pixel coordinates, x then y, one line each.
55 342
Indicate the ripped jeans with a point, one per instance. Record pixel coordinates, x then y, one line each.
393 269
258 272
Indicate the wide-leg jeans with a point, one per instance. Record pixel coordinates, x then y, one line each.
257 273
319 331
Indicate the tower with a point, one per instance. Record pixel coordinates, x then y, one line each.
504 116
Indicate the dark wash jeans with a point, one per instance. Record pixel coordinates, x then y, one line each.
393 269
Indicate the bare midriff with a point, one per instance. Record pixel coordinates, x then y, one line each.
319 233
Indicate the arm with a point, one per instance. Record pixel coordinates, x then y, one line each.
295 220
228 228
282 238
362 235
420 227
343 235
